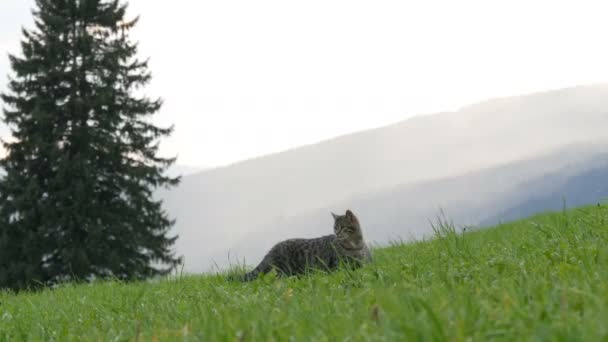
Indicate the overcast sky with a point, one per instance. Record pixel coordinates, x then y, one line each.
246 78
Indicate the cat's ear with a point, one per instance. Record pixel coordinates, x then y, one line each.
351 216
335 216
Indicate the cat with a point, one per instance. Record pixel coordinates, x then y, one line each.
297 256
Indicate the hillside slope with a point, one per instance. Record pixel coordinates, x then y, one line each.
544 278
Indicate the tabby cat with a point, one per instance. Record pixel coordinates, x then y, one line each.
296 256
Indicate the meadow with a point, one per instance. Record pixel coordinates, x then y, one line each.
542 278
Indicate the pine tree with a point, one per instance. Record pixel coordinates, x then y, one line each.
76 201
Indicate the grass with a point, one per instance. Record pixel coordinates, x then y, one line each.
544 278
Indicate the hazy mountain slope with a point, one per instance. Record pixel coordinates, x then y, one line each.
216 208
586 188
183 170
403 212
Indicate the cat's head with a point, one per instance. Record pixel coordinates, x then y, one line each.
347 226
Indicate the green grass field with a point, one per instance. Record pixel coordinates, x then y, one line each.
545 278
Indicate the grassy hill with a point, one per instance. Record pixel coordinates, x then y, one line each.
543 278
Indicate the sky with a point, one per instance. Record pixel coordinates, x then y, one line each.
247 78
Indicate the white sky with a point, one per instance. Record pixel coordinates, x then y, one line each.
246 78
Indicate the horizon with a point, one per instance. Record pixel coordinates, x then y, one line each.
261 79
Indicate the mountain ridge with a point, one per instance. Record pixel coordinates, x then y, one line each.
216 208
410 206
414 118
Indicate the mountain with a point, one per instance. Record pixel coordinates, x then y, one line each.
560 192
271 197
577 173
183 170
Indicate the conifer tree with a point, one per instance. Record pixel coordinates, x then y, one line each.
76 200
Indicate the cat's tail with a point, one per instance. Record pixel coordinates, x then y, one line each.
263 267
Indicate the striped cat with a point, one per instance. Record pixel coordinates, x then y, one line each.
296 256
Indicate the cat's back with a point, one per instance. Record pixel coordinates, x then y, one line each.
296 255
298 245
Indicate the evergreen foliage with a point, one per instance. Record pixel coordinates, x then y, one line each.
76 201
